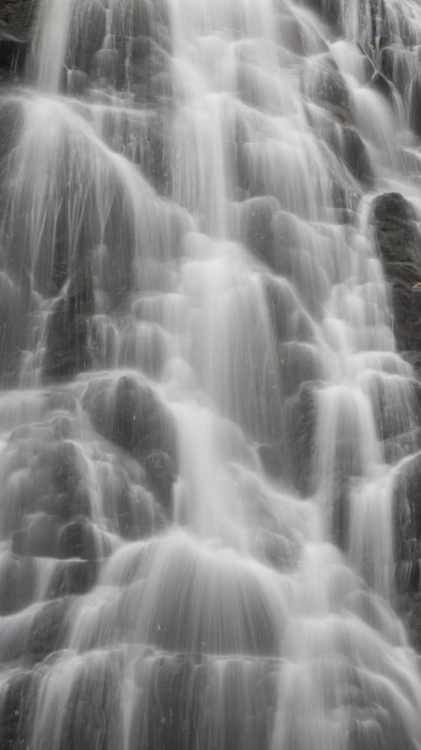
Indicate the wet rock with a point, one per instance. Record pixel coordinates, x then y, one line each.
181 689
407 576
415 105
15 711
410 607
380 83
330 10
13 53
77 82
395 231
15 285
142 18
67 349
155 158
40 538
130 414
11 123
298 38
77 539
93 718
17 582
347 467
398 243
12 312
48 629
71 497
407 509
257 221
272 458
161 476
16 23
395 65
288 319
19 542
302 418
73 577
86 34
414 359
331 92
355 155
299 362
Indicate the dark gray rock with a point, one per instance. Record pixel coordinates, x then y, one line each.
161 476
355 156
67 349
17 582
86 34
331 92
15 710
398 243
302 418
415 105
257 223
48 630
72 577
130 414
16 28
77 539
396 233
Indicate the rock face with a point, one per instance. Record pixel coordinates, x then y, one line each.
16 19
67 336
129 414
398 242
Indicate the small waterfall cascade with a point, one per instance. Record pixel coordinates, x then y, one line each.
202 400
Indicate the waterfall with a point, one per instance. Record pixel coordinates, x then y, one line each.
204 414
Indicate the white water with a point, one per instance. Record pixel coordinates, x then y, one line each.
191 155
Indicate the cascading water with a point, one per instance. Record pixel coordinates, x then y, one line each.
199 372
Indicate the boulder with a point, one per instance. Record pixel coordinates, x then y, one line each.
395 232
129 413
77 539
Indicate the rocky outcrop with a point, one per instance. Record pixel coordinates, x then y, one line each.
398 242
16 23
129 414
67 350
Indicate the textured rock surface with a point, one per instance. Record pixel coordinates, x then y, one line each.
16 22
398 242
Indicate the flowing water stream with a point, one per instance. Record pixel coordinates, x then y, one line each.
197 513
